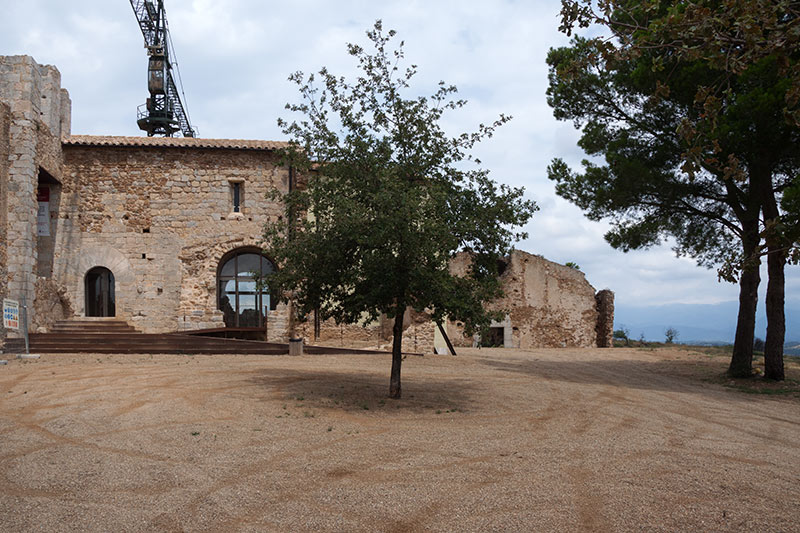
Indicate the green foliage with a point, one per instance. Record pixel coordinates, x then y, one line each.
670 334
694 108
726 77
758 345
570 264
622 334
388 199
656 181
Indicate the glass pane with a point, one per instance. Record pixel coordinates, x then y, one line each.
229 268
249 263
247 286
227 302
248 312
266 266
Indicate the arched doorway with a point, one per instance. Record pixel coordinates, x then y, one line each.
242 304
100 301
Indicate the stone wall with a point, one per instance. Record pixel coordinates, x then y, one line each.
5 118
51 305
35 116
418 333
548 305
605 318
158 214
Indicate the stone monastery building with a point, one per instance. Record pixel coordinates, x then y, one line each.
164 234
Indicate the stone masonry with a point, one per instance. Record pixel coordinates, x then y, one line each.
34 115
157 212
161 214
548 305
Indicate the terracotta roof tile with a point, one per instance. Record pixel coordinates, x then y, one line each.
172 142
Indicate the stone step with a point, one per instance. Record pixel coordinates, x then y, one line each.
154 343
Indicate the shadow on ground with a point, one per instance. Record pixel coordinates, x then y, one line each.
356 391
702 374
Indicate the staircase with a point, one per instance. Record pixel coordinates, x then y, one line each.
110 335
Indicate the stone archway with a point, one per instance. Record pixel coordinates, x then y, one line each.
92 256
239 299
99 293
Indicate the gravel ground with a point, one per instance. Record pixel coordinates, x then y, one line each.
491 440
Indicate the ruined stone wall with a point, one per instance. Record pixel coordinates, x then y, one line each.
5 117
418 333
605 318
160 218
37 116
52 304
548 305
369 335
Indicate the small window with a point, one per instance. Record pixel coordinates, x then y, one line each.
237 196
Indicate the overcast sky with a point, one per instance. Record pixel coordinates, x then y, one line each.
235 57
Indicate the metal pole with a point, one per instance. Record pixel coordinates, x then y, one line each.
25 324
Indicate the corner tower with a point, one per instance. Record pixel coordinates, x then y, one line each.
34 115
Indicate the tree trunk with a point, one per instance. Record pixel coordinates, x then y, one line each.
776 286
776 319
742 359
397 352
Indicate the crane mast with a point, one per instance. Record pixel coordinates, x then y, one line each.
164 112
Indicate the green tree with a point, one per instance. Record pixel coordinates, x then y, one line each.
696 147
622 334
389 199
670 334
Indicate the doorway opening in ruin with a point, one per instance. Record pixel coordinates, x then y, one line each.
242 304
99 292
495 338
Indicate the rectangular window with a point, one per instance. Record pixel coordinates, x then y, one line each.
237 197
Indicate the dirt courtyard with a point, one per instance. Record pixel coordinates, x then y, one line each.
490 440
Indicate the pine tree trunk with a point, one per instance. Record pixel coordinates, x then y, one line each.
397 352
742 359
776 286
776 319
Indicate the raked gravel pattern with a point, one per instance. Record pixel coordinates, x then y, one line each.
490 440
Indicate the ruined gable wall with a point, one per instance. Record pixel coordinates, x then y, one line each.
160 218
549 305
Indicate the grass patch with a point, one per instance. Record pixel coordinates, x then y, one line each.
789 388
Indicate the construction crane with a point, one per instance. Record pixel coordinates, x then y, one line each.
164 112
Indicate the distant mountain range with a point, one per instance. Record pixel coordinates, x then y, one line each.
702 323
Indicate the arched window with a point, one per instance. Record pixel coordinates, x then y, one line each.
242 304
99 292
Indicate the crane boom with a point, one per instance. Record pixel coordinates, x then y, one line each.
164 112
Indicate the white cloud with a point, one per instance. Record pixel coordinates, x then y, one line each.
235 56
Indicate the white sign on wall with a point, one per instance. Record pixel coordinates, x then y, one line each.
43 219
10 314
43 213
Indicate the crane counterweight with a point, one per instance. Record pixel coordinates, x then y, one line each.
164 112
